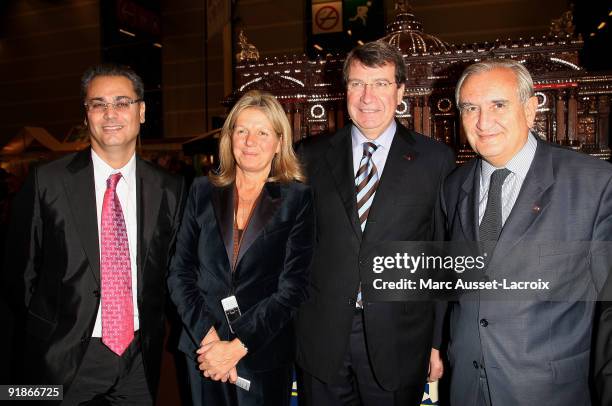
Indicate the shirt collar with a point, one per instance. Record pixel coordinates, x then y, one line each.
519 164
384 140
102 170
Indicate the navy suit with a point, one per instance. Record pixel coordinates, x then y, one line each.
270 280
399 335
535 351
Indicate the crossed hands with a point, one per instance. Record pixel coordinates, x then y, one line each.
217 359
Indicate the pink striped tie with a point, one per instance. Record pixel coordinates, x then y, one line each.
116 277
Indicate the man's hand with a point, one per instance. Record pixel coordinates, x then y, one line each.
217 359
436 366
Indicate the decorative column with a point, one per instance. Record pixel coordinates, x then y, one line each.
560 136
418 114
603 123
426 116
297 124
572 119
550 118
331 119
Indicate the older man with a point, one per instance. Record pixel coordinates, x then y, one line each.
373 180
90 239
533 205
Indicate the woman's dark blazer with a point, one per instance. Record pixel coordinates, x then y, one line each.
271 277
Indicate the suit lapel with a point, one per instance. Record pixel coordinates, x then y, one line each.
223 205
532 201
268 204
147 211
81 194
340 160
467 205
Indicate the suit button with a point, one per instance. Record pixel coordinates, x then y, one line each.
96 293
484 322
475 364
84 339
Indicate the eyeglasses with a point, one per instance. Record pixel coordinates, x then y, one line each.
98 106
359 85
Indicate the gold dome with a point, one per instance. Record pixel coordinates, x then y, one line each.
406 33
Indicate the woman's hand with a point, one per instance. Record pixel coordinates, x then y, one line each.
217 359
210 337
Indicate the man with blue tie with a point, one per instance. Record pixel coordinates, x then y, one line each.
540 211
373 180
91 234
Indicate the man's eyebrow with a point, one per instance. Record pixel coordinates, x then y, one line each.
465 104
114 98
499 101
373 80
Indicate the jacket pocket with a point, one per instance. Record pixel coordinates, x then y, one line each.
277 228
39 327
570 369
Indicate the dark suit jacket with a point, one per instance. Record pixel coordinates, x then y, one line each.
535 351
399 335
53 264
271 276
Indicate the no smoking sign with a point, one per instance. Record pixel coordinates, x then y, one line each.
327 17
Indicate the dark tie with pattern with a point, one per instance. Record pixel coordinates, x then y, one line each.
491 224
366 182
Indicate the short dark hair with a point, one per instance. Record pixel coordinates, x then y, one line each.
375 54
111 69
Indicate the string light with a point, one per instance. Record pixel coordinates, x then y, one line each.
131 34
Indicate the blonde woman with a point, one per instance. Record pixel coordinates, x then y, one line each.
247 236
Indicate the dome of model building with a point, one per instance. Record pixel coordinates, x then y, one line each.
406 33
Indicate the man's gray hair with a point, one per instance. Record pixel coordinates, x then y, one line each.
523 77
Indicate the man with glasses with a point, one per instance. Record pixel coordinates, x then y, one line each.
373 181
90 239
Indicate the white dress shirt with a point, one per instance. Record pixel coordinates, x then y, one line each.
126 191
519 166
380 155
